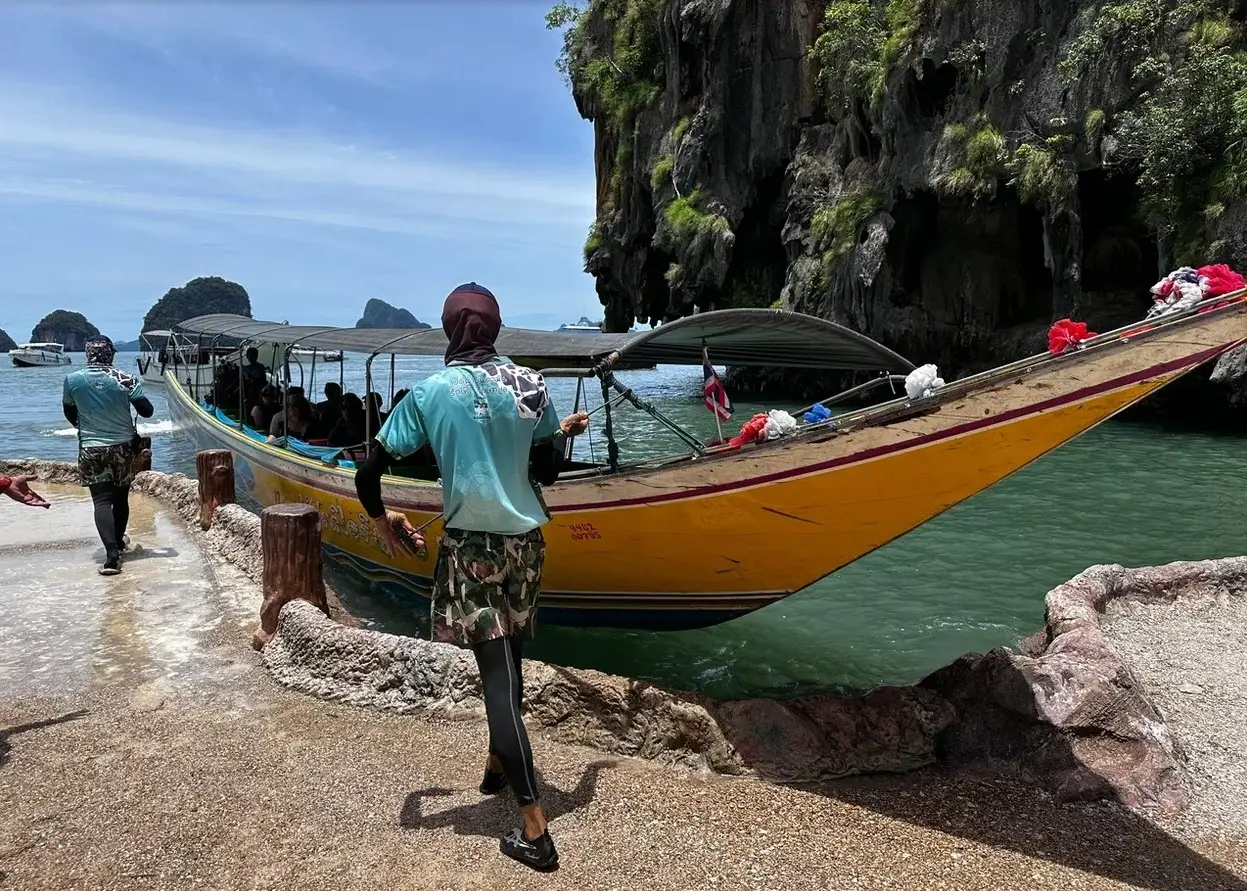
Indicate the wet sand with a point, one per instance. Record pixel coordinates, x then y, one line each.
142 745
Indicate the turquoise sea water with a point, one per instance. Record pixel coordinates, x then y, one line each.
969 580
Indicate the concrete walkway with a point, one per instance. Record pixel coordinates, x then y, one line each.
142 746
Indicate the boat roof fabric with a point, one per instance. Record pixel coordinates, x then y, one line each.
732 337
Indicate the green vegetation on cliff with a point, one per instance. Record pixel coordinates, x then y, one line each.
835 228
6 342
624 77
1041 177
687 220
1185 126
969 160
198 297
614 76
862 43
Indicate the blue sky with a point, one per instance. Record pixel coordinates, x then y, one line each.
318 154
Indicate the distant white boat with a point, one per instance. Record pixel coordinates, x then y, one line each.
579 328
584 326
39 355
321 355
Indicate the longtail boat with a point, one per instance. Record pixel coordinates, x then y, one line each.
715 531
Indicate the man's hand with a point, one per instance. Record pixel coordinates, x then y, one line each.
391 527
576 424
19 490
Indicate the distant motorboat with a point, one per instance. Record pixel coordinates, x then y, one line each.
321 355
39 355
580 328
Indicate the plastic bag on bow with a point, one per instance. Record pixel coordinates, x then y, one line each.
923 381
1066 334
778 423
751 432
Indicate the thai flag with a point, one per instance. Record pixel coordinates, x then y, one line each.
713 392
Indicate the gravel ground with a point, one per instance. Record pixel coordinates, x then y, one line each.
1190 658
258 788
164 757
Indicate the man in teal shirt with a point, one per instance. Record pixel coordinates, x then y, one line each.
97 400
493 430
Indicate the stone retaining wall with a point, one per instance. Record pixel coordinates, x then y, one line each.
1063 711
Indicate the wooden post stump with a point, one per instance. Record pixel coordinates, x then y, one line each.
215 469
143 460
290 541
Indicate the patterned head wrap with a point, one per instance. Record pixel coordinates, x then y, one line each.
99 350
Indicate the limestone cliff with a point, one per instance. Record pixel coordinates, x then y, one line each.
70 329
948 178
6 342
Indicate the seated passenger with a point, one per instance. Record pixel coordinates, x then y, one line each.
299 422
330 411
349 429
263 412
278 425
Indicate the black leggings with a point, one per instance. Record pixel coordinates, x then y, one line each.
112 514
500 662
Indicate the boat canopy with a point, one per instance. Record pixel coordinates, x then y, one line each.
744 337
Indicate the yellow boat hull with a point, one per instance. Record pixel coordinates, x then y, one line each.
696 543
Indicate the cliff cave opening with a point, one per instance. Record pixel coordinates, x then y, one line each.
759 261
1034 303
657 290
963 274
1120 260
932 87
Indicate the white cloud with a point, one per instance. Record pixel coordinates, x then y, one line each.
51 150
283 33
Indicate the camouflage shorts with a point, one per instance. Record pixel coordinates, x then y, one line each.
107 464
486 586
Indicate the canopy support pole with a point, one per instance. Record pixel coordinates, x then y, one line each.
367 414
603 371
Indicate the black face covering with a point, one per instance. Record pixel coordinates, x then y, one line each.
471 320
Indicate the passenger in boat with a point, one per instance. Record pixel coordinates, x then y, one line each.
278 426
349 430
97 401
398 397
299 421
18 488
493 429
254 378
329 412
262 412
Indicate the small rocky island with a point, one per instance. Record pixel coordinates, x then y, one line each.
379 314
199 296
71 329
6 342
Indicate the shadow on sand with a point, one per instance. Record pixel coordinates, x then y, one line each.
1103 839
493 816
8 732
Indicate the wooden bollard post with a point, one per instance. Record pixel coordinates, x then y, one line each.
215 469
143 460
290 541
